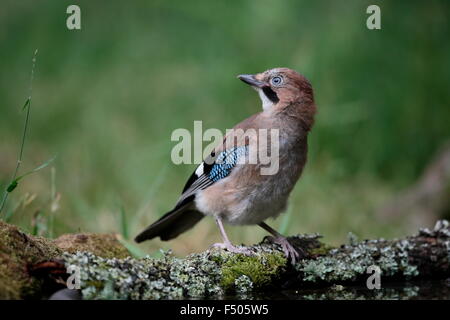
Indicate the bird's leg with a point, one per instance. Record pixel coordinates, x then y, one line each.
226 244
288 249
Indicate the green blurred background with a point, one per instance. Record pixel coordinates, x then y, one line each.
107 98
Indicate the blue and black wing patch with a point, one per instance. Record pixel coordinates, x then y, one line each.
208 172
225 162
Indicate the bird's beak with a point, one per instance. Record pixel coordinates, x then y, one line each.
251 80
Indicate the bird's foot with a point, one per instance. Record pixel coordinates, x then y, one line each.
289 250
231 248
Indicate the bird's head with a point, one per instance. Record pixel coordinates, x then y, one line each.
280 87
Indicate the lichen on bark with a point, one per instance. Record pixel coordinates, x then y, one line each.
215 273
212 273
108 272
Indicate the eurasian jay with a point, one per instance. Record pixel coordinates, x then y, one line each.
230 184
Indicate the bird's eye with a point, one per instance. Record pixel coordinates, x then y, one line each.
276 81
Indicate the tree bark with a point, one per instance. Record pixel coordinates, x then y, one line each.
213 273
216 273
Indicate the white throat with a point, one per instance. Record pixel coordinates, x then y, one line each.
266 102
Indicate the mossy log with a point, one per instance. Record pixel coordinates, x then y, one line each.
216 273
25 260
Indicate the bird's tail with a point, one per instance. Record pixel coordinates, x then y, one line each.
172 224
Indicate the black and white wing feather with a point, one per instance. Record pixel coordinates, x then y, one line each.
184 216
213 169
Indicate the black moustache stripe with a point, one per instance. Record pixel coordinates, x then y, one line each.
270 94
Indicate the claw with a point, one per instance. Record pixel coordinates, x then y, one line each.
289 250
